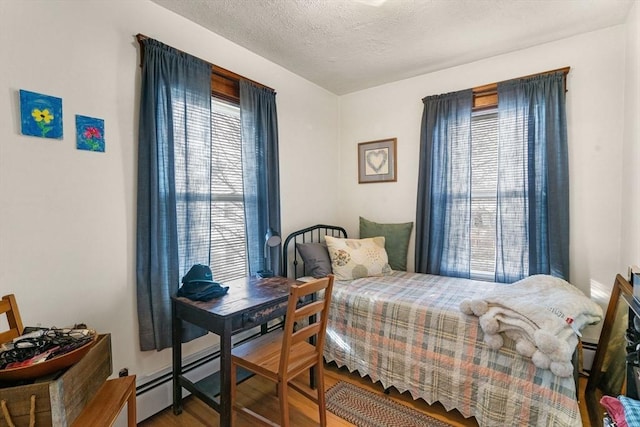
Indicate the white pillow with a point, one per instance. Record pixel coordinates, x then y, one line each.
356 258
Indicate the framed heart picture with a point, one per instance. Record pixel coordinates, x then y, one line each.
377 161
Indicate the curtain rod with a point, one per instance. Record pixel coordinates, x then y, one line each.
222 72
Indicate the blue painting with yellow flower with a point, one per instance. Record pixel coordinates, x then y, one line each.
89 133
41 115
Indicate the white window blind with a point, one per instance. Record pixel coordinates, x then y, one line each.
221 240
484 178
228 249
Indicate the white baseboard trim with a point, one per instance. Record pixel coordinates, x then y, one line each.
154 393
159 396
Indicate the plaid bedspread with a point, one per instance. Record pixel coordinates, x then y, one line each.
406 331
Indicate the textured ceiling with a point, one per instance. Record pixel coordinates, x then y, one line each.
350 45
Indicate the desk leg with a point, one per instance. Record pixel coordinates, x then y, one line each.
225 376
177 360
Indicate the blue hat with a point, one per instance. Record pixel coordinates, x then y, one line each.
198 284
198 273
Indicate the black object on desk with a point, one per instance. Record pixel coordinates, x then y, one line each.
251 302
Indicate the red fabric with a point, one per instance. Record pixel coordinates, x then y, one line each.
615 409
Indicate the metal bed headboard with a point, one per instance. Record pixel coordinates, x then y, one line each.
314 233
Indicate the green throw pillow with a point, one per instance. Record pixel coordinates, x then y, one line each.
396 240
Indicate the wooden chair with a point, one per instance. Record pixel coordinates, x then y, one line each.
282 355
9 306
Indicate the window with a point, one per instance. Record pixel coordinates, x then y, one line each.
484 178
228 249
493 183
191 195
484 181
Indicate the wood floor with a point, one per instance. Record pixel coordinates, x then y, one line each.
259 395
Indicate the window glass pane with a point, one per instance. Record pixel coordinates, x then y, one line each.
484 167
228 251
226 150
192 177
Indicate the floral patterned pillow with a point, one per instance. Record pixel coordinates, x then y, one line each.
356 258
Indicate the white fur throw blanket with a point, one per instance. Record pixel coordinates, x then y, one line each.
542 314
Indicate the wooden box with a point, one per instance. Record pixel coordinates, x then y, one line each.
60 400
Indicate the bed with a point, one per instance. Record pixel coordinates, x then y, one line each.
406 331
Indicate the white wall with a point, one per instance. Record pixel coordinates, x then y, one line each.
595 104
630 198
67 217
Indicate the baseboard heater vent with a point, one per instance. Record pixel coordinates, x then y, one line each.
588 354
156 394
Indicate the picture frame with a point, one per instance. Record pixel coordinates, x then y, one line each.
377 161
634 279
40 115
90 134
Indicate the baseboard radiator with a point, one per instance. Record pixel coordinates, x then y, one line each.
156 392
588 354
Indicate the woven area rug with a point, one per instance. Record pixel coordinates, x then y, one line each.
366 409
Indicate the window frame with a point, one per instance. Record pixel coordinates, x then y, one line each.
225 84
486 96
485 101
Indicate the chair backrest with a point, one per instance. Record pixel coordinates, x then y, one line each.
293 363
9 306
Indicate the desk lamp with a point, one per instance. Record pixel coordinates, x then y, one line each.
271 240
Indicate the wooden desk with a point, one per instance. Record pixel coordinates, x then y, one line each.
250 302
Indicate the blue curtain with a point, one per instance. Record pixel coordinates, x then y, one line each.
259 121
443 215
174 140
533 179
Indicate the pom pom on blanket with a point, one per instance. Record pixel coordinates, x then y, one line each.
477 307
562 369
465 306
523 347
541 360
494 341
542 314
